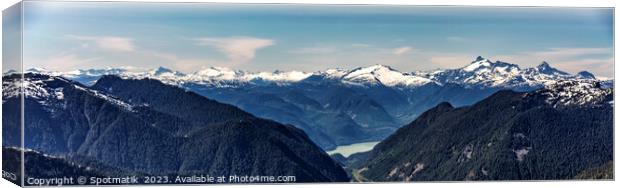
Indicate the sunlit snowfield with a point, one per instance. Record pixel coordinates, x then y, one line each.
347 150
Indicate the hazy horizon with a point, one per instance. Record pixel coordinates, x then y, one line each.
145 69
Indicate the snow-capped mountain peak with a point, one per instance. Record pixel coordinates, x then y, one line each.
479 58
382 74
545 68
282 76
479 62
221 72
544 65
367 72
482 65
9 72
585 75
162 71
98 72
484 73
37 70
332 74
165 72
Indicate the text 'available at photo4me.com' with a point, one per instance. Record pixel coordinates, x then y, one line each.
128 180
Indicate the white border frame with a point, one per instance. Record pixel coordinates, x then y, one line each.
560 3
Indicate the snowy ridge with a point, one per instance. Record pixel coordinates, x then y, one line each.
49 91
220 74
577 93
484 73
93 72
36 89
216 76
223 77
108 98
333 74
384 75
480 73
36 152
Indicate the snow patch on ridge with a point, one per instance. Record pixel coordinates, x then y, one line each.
110 99
576 93
49 91
520 153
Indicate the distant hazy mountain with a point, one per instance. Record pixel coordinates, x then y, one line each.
144 126
562 131
339 107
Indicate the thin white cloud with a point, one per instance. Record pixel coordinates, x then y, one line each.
239 49
143 57
402 50
108 43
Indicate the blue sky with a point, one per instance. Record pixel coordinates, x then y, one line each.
188 37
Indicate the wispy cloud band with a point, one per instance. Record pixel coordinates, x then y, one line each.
240 49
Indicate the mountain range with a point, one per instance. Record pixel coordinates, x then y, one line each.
485 121
481 72
339 107
147 127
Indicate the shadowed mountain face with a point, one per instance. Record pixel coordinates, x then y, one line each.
152 128
195 110
559 132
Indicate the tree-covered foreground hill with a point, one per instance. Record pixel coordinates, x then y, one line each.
147 127
564 131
